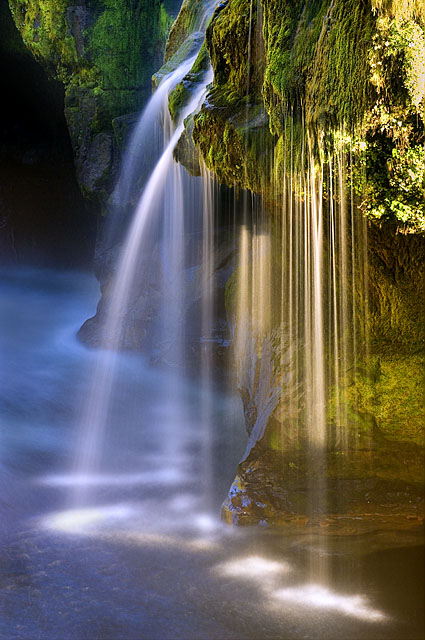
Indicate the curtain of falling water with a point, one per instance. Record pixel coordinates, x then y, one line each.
162 193
323 282
297 353
207 315
320 314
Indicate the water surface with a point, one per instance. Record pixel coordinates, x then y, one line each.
144 555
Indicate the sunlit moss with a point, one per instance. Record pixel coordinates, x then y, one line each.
330 67
393 398
179 97
317 56
104 52
401 9
400 44
189 15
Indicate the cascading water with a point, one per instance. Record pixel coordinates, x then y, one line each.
147 140
163 204
317 328
141 551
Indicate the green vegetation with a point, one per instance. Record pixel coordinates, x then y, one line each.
331 66
122 31
189 16
238 61
44 29
317 57
393 396
95 50
232 130
181 94
99 44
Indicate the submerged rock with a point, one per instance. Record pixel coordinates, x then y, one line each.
141 327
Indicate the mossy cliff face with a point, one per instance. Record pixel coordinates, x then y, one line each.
104 51
344 78
232 129
327 65
369 472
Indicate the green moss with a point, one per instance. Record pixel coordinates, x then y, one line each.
319 54
394 396
45 31
95 50
400 44
101 43
238 149
186 23
120 33
401 9
396 289
181 94
235 46
326 67
316 55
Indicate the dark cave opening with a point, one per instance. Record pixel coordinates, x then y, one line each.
44 219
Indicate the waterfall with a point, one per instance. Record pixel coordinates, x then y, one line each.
147 139
297 353
167 200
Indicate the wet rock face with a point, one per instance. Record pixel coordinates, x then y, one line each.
44 218
94 48
188 48
141 329
95 168
79 19
369 490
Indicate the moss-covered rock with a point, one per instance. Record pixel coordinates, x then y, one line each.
238 147
189 48
334 494
188 21
232 129
181 94
95 49
338 78
326 65
396 283
317 54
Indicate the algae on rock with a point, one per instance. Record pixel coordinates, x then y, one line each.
95 49
344 81
323 65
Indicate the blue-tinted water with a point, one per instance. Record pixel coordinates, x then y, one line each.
146 556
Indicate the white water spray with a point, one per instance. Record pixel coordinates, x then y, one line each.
166 178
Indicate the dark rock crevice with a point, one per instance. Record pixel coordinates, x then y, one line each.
44 218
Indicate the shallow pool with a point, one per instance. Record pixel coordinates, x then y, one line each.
133 547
